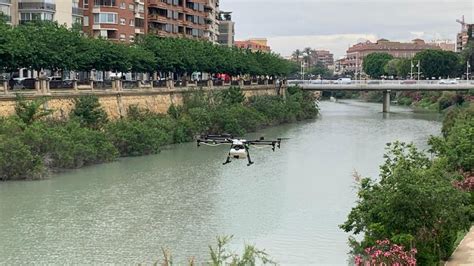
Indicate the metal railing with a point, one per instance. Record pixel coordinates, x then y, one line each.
36 6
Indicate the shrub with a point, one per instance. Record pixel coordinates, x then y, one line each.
135 138
17 161
88 112
69 145
412 204
30 111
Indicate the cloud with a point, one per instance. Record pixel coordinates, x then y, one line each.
318 22
336 43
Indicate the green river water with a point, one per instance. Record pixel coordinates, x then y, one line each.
289 203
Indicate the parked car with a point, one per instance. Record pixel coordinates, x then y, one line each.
343 81
448 81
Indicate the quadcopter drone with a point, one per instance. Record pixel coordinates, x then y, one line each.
239 148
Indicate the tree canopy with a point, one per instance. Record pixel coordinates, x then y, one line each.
438 63
47 45
374 64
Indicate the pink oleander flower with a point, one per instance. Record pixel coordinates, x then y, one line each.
384 253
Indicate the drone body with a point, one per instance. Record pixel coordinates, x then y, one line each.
239 148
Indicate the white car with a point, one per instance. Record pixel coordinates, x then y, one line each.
448 81
343 81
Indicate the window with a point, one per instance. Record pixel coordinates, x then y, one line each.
123 5
104 3
86 3
110 18
132 22
122 37
36 16
122 21
86 21
131 7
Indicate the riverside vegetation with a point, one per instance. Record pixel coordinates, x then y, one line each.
416 211
32 144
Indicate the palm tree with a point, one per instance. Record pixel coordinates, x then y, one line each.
297 54
309 52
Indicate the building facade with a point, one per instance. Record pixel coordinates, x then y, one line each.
355 54
463 38
255 45
65 12
323 57
178 18
226 29
211 32
117 20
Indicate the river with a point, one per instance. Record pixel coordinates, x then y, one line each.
289 203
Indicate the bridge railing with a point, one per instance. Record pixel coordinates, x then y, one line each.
380 82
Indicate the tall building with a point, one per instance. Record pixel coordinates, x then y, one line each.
211 32
66 12
226 29
356 53
180 18
323 57
466 35
118 20
254 45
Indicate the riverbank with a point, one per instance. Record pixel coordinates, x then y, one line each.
31 144
419 202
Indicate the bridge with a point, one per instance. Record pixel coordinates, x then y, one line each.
386 86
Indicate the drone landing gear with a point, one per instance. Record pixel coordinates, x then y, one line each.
248 157
228 160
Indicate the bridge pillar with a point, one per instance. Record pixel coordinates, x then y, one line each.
386 101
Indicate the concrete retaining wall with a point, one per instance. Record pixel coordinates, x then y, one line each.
116 103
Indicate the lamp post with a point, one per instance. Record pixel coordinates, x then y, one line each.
419 69
411 69
468 67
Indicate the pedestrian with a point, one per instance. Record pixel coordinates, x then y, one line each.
11 82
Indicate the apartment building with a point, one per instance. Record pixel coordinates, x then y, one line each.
211 32
226 29
117 20
356 53
466 35
178 18
66 12
323 57
254 45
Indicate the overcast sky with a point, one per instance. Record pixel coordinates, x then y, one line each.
336 24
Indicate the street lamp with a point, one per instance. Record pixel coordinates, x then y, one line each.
419 69
411 69
468 67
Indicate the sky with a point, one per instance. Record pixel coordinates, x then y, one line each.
337 24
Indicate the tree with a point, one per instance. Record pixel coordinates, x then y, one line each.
297 54
320 70
391 67
413 204
438 63
88 112
374 64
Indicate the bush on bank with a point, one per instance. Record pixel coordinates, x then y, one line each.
419 202
30 147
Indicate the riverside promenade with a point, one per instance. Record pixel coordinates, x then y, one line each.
464 253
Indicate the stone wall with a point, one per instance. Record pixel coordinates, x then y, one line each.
116 103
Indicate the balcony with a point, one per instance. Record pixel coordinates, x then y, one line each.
77 11
158 3
8 2
36 6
